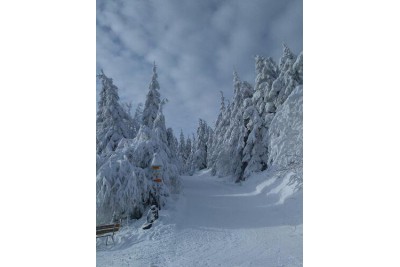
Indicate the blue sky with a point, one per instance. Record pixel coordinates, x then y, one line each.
195 44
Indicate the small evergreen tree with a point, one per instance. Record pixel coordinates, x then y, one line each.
200 155
112 122
182 152
138 117
153 101
188 152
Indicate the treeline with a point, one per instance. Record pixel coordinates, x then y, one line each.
240 142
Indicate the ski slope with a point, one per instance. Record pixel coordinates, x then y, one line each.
216 223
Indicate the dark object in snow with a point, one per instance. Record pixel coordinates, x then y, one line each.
107 230
152 215
146 226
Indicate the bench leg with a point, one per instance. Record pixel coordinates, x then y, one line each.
106 240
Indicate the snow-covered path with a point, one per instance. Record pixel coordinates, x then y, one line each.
213 223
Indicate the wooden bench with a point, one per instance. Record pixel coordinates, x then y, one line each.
107 231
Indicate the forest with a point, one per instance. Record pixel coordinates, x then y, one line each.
259 129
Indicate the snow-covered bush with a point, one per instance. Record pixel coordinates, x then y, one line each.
120 189
124 181
136 156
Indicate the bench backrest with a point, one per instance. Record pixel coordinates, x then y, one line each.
109 228
100 227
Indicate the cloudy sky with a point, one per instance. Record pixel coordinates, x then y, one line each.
196 44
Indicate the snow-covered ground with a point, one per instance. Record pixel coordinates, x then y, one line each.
215 223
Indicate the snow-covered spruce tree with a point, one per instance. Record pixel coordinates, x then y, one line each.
287 56
254 152
138 117
191 163
112 122
120 189
135 120
266 73
258 115
218 136
159 127
168 158
285 139
288 77
124 181
187 155
127 106
239 133
278 83
153 101
212 153
228 156
173 144
268 88
210 142
229 159
175 160
200 155
182 152
241 141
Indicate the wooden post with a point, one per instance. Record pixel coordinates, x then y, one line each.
156 168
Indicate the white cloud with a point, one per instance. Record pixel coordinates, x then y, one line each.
195 44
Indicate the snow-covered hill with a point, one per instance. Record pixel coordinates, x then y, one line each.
216 223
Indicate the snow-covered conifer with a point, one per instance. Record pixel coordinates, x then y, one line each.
172 142
120 189
190 163
173 148
183 155
153 101
287 55
138 117
210 143
182 145
285 141
231 138
124 180
112 122
188 150
200 155
159 127
241 139
212 153
287 80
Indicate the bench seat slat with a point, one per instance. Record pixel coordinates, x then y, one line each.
107 229
107 226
